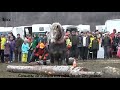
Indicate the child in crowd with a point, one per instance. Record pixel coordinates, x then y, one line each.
12 48
25 48
7 51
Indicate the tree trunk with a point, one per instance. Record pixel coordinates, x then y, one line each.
54 70
111 72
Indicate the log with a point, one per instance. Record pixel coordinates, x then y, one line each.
111 72
54 70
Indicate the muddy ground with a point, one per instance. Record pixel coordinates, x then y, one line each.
93 65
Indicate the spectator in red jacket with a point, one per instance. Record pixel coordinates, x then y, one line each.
113 34
40 52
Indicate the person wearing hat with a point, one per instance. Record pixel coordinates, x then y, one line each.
41 52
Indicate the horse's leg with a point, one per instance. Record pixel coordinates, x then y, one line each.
57 59
61 58
51 59
64 58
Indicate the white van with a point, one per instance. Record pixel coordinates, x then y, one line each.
83 28
41 28
22 30
101 28
65 27
5 30
112 24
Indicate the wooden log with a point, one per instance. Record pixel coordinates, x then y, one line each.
53 70
111 71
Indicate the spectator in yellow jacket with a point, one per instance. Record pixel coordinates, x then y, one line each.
91 39
90 45
3 41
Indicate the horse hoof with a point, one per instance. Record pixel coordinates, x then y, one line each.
52 64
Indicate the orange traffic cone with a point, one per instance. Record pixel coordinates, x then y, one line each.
74 63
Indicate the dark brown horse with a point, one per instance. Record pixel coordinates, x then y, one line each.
57 46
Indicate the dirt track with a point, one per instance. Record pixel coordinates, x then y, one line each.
92 65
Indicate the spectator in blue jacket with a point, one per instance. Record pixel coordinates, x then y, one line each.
25 48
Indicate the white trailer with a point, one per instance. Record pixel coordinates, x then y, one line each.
112 24
22 30
5 30
66 26
41 28
101 28
83 28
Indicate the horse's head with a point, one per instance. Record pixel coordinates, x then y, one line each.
56 32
